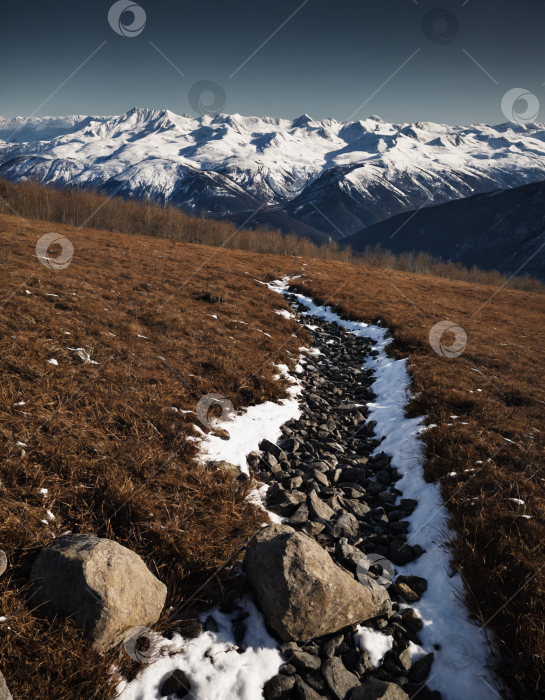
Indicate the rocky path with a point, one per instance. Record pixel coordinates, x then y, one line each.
355 600
324 482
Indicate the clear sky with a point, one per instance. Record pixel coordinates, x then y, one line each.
327 60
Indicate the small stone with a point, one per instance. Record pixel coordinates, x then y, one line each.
287 648
405 592
239 632
316 682
346 526
313 529
330 647
222 434
411 619
318 508
375 689
400 552
418 584
305 662
293 483
339 680
300 516
405 659
305 692
279 687
268 446
288 670
177 684
210 625
421 669
191 629
224 466
364 663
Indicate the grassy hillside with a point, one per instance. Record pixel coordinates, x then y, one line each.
105 443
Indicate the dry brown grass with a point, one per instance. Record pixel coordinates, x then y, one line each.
87 208
118 429
103 439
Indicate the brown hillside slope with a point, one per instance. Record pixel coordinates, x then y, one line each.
103 437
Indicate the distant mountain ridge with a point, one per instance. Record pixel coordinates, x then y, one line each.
320 179
502 230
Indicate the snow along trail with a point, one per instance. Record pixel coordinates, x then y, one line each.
458 666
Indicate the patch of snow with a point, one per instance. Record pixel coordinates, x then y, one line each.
52 362
284 313
376 643
213 667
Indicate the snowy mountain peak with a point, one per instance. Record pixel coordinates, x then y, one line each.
301 121
325 178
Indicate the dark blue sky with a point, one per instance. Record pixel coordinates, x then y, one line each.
326 61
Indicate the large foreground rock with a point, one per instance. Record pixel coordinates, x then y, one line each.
105 588
301 591
4 691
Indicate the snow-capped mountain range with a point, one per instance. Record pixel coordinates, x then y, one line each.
319 178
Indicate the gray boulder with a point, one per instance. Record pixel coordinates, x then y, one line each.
305 692
105 588
4 691
3 562
301 591
375 689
